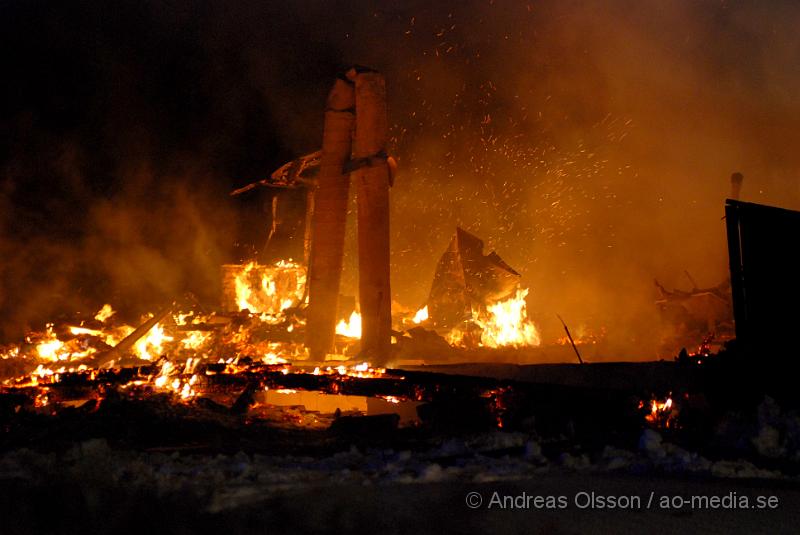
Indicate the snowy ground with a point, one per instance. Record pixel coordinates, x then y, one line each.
92 488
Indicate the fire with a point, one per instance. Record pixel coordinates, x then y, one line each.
351 328
48 358
170 380
111 336
243 292
195 340
179 347
268 290
104 313
184 348
83 330
421 315
508 324
359 370
11 353
183 318
273 358
51 348
662 413
151 346
504 324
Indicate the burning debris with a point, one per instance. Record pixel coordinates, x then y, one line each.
284 394
476 299
267 290
180 355
501 324
247 355
278 349
662 413
466 280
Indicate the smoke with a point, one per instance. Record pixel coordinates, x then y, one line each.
589 143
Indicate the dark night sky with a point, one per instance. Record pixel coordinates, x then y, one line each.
588 142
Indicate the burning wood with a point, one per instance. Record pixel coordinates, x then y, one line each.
248 360
154 340
261 289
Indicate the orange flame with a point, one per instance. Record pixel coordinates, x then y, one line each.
270 289
504 324
351 328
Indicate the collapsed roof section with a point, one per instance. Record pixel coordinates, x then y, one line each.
465 278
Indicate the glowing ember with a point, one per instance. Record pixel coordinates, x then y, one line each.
361 370
352 328
273 358
171 380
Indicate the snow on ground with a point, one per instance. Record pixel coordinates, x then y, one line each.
399 490
94 487
229 481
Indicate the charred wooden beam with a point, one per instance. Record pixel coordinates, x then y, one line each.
329 218
372 187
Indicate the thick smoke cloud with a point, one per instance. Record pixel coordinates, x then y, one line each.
590 143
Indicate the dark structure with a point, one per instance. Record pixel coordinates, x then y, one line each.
765 278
